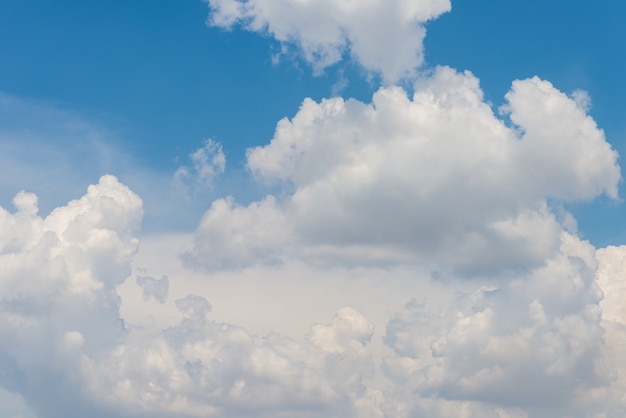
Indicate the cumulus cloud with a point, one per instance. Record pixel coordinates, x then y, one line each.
612 279
206 368
437 178
57 290
60 322
535 343
383 36
435 190
541 332
232 236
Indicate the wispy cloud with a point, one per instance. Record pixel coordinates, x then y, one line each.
207 162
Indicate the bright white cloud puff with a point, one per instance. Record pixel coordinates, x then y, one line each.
437 179
384 36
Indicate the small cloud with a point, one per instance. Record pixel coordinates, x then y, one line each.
340 85
154 288
582 99
206 163
194 306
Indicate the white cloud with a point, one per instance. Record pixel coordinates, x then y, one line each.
206 368
384 36
434 179
533 343
57 284
232 236
383 211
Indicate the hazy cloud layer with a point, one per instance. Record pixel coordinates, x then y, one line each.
384 36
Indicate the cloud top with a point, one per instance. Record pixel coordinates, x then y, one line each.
384 36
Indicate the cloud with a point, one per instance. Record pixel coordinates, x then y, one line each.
205 368
436 179
207 162
541 332
232 236
612 280
385 37
537 342
420 242
60 322
154 288
57 285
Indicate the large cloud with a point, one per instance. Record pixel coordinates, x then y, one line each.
437 179
66 350
384 36
532 343
535 344
57 290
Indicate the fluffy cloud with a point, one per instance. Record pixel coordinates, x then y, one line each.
541 332
60 322
206 368
383 36
612 279
437 179
500 311
534 343
57 290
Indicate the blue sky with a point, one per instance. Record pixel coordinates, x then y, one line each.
321 197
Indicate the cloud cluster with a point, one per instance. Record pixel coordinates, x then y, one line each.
206 368
60 322
532 343
384 36
437 179
437 190
540 342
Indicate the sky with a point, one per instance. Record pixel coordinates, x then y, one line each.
341 208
